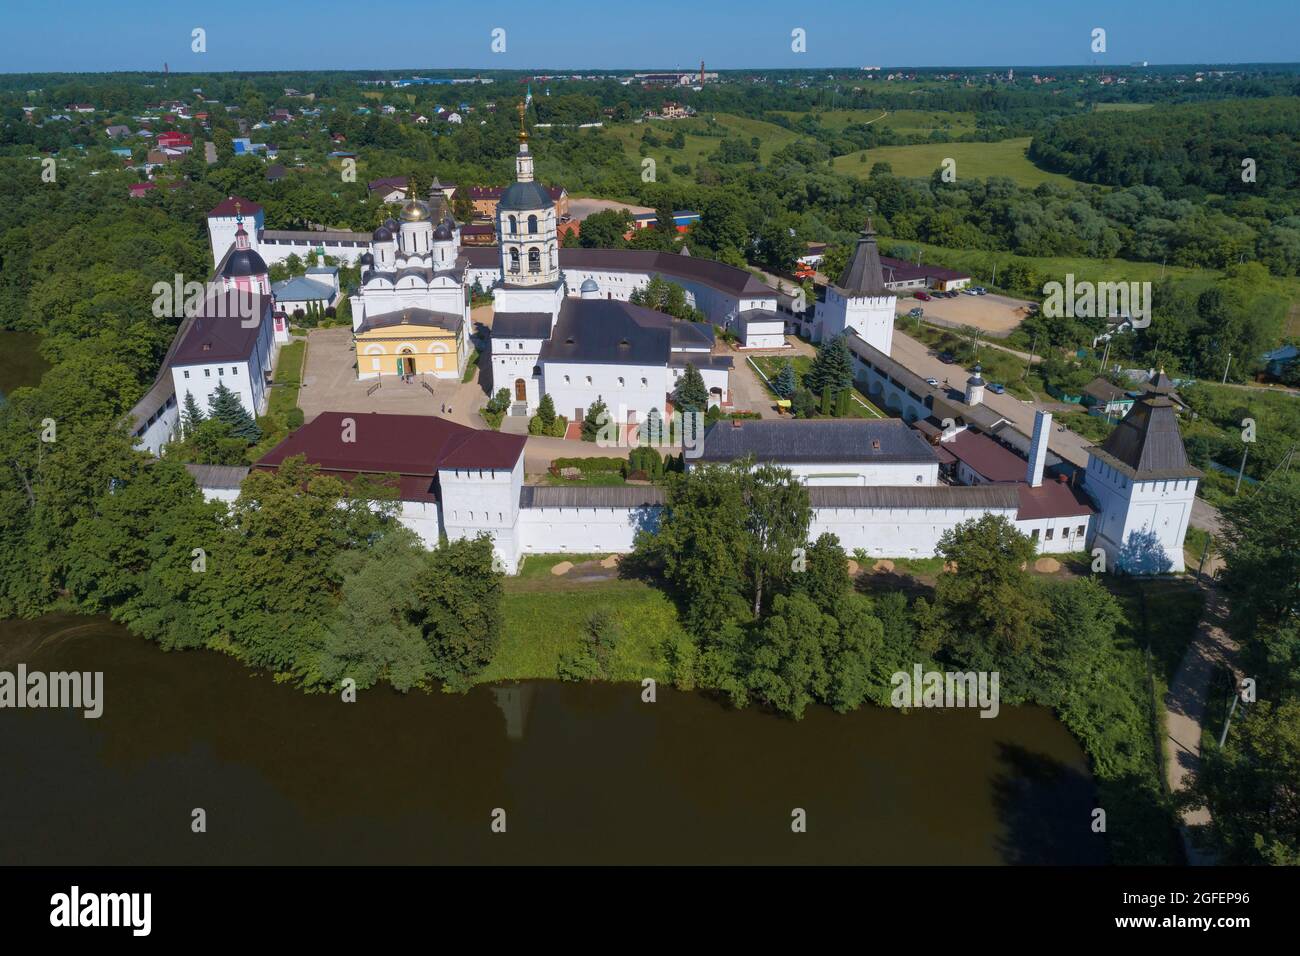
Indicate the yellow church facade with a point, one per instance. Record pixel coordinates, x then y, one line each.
412 342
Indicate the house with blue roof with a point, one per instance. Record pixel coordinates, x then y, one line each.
319 286
1279 360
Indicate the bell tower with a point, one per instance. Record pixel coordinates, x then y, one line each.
527 226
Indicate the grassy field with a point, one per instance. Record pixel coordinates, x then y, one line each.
903 122
283 397
698 147
974 160
546 616
1092 427
771 366
1120 107
288 377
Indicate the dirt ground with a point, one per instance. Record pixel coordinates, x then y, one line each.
580 209
998 315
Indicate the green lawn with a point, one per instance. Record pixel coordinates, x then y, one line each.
974 161
546 616
771 366
288 377
1095 428
283 397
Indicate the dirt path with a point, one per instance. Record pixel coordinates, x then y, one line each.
1185 703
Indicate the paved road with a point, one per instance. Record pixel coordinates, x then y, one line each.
921 359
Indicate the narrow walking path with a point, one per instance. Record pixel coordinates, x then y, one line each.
1185 702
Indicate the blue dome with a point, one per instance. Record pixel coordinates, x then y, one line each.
589 285
383 234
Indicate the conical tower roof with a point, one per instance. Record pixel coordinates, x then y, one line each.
863 275
1146 445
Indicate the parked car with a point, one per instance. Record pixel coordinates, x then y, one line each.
969 292
933 382
915 313
947 358
997 388
980 290
923 296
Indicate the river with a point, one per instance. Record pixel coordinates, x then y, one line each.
586 773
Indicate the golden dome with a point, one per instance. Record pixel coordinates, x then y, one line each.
414 211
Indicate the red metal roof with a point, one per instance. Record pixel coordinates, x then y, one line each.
1052 499
227 207
993 461
409 445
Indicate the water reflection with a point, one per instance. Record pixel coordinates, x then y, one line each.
586 773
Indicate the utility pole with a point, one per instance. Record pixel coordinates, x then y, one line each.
1030 363
1242 470
1225 369
1228 722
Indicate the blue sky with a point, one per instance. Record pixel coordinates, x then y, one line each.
94 35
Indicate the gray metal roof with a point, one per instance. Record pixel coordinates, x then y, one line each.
301 289
418 317
992 496
521 325
218 476
314 236
895 371
611 331
816 440
525 196
590 496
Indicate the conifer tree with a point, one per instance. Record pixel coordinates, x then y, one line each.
225 406
192 416
546 411
596 419
692 395
785 382
832 368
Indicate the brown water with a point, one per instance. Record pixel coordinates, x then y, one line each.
585 773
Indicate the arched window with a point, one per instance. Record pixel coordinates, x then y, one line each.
532 225
514 260
514 224
534 261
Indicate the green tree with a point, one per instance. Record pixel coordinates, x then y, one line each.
785 382
831 369
1249 787
605 229
692 395
371 635
984 609
458 608
192 416
225 406
597 418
